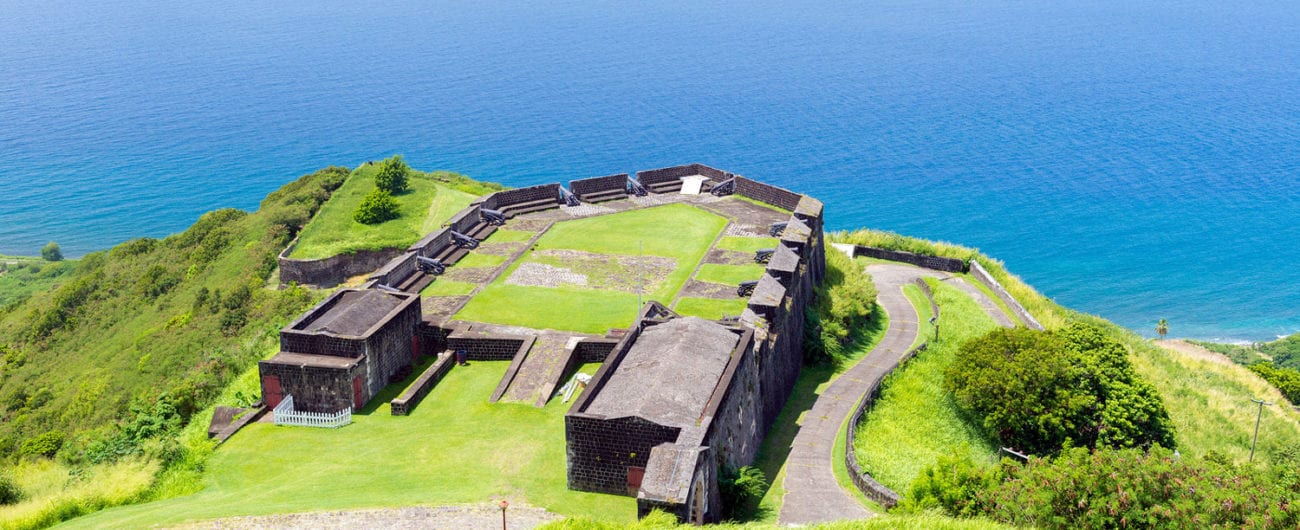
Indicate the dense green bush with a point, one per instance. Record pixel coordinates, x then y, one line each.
393 175
741 490
10 493
1040 392
1285 379
953 484
46 444
376 207
843 303
156 281
51 252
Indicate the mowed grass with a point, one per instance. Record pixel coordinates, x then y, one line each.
729 274
710 308
475 260
746 244
333 231
915 420
681 232
454 448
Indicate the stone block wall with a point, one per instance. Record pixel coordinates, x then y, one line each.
391 348
433 243
981 274
465 220
314 389
588 186
504 199
699 501
402 405
300 342
735 415
396 270
331 271
767 193
920 260
670 174
486 347
594 350
600 451
433 339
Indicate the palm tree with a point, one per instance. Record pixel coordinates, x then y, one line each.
1162 328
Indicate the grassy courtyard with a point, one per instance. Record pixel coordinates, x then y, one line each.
423 209
454 448
657 248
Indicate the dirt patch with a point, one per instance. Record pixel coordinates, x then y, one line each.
746 213
504 248
420 517
739 230
471 274
699 289
553 268
441 305
729 257
1191 350
529 225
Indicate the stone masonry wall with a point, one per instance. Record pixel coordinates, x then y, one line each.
600 450
586 186
920 260
503 199
668 174
779 197
736 428
485 347
331 271
314 389
391 348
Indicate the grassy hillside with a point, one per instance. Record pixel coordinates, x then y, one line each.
21 277
1208 402
139 338
431 199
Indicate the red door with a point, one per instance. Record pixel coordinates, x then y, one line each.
415 349
357 399
271 392
634 476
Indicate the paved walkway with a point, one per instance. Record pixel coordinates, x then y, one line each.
812 495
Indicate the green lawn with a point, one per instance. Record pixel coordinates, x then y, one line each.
915 420
729 274
681 232
747 244
333 231
448 288
454 448
479 259
710 308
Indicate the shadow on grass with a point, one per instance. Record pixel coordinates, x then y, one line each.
393 390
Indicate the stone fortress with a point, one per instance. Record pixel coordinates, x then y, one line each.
675 399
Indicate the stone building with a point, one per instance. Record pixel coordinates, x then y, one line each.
343 351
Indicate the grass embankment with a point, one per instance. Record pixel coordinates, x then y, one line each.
679 232
453 448
430 201
915 420
21 277
1209 403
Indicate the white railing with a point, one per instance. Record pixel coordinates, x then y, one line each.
285 415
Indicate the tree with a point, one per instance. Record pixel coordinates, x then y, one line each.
376 207
51 252
392 176
1162 328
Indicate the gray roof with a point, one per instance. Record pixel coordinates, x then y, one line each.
669 471
669 373
784 260
354 313
307 360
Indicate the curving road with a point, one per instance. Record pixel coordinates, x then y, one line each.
812 495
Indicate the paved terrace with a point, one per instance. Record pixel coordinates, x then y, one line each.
812 495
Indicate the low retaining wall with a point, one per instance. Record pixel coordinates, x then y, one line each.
402 405
669 174
488 347
920 260
767 193
504 199
334 270
981 274
594 350
592 185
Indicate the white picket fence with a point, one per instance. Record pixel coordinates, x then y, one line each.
285 415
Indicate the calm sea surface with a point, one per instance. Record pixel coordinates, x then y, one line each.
1137 160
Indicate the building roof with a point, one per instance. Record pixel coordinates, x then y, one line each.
669 472
669 373
307 360
353 312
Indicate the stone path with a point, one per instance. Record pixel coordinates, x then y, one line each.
812 495
540 371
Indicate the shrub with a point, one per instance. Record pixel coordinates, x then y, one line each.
1042 391
156 281
1285 379
10 493
843 303
51 252
45 445
741 489
392 176
376 207
952 484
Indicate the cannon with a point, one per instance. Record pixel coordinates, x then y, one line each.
492 217
430 265
726 187
635 188
777 229
388 288
463 241
568 198
763 255
746 288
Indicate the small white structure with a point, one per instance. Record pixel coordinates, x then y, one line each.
691 185
284 414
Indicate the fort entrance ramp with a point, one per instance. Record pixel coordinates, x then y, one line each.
534 375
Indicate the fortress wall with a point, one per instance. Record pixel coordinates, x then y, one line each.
331 271
314 389
736 412
588 186
465 220
599 451
767 193
504 199
396 270
984 277
670 174
391 348
486 347
920 260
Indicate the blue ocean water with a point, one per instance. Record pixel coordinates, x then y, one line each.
1137 160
